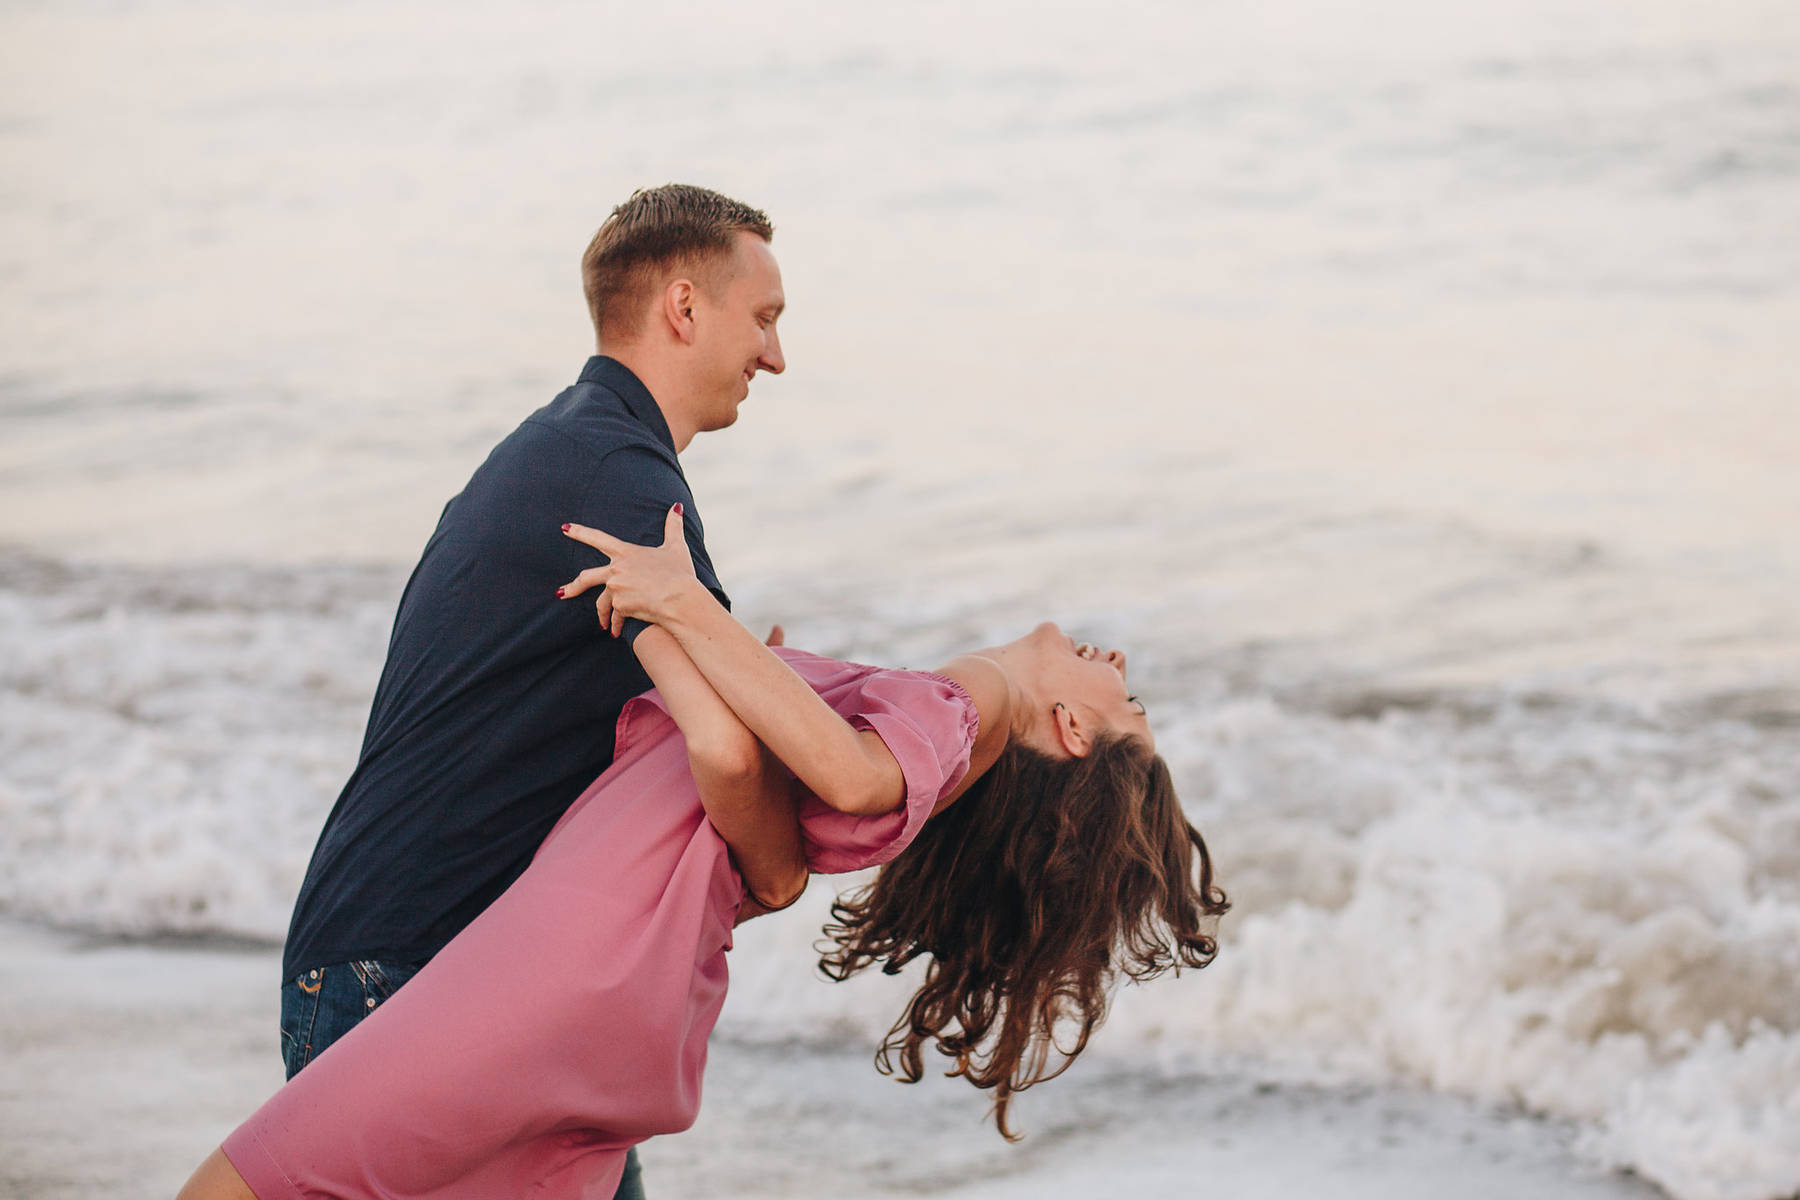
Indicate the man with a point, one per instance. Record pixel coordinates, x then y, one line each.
496 706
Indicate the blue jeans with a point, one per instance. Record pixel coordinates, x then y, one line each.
321 1006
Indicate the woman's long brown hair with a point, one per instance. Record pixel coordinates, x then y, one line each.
1031 894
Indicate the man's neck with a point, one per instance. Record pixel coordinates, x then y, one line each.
662 385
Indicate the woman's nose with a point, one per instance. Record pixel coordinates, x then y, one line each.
1116 658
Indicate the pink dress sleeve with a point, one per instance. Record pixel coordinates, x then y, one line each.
929 723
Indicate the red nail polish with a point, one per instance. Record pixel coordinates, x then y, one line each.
678 508
559 593
565 529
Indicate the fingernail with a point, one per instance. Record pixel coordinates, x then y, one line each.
678 508
559 593
565 529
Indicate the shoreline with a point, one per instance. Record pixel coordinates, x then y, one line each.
125 1062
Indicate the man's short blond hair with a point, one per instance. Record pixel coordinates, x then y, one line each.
659 232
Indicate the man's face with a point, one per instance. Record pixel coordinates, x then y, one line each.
734 332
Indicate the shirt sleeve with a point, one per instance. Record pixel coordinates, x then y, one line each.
630 496
929 723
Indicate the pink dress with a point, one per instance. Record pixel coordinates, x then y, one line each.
569 1021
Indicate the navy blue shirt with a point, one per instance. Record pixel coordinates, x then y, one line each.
497 704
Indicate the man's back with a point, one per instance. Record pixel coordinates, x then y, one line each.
496 705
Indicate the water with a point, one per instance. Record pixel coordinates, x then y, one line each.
1411 392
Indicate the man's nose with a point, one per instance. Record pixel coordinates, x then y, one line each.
772 360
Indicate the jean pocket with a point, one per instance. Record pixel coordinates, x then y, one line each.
299 1016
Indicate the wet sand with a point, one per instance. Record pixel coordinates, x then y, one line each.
122 1063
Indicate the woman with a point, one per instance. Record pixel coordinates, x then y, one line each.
569 1021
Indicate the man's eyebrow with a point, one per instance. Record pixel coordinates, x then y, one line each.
777 308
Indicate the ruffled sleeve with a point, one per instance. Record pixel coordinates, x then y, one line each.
929 724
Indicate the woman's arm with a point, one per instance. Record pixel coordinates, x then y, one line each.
849 769
216 1179
745 796
852 771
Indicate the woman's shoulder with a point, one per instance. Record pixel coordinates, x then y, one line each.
926 721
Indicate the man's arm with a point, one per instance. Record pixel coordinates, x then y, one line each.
744 793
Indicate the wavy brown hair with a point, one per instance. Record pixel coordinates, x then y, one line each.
1030 895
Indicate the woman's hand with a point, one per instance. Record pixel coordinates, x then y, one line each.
646 582
847 768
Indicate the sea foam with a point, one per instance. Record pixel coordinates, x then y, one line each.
1576 909
1585 908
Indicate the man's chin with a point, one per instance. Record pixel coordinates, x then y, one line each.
723 420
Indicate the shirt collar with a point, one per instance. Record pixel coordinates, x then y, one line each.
617 378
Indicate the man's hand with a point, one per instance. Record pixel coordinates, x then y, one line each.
646 582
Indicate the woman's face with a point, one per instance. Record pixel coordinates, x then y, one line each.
1070 689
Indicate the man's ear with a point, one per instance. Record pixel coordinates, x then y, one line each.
678 309
1071 733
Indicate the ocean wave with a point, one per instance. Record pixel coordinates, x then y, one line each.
1583 906
172 739
1581 909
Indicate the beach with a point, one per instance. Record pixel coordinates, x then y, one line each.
1410 391
163 1047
